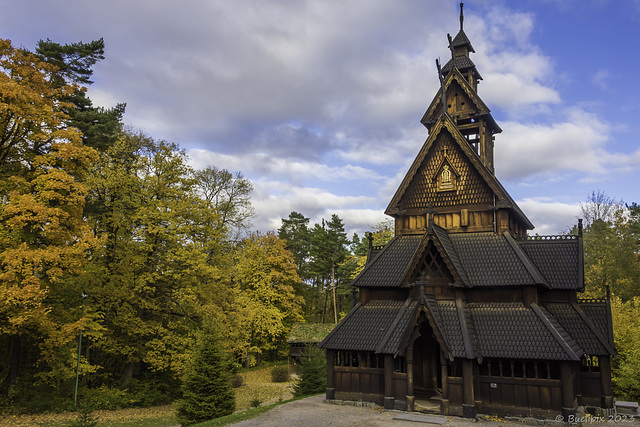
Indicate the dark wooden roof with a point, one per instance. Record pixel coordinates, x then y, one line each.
550 252
376 326
387 268
479 260
461 39
435 108
511 330
498 330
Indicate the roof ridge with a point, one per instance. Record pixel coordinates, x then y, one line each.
393 326
605 342
528 264
554 331
465 329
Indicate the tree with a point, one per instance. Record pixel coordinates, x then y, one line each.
157 266
206 388
229 194
295 232
265 301
626 365
99 126
381 234
312 378
328 250
44 240
610 248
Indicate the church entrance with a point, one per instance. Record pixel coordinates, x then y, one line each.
427 378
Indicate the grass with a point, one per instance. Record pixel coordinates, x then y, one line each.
156 416
258 387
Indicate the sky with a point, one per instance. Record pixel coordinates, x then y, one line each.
318 102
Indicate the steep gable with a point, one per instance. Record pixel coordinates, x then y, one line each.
462 101
448 175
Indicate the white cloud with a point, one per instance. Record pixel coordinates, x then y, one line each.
550 217
575 144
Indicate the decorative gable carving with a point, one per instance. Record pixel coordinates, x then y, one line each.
446 178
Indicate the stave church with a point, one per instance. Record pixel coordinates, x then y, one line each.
462 312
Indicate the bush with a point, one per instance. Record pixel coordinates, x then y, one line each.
312 377
255 402
207 391
237 381
280 374
85 419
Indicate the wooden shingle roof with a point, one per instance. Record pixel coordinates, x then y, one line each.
374 326
511 330
479 260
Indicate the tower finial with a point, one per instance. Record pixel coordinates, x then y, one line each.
461 15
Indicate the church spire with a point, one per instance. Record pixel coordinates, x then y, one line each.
461 48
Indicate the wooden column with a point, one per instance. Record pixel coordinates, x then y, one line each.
331 380
388 382
410 397
469 404
605 382
444 404
569 404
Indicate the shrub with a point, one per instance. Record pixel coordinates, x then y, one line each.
280 374
207 391
237 381
255 402
312 377
85 419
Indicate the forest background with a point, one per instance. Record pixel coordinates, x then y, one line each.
107 234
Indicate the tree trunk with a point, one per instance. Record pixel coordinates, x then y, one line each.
333 290
12 375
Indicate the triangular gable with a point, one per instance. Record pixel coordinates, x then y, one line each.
479 171
435 108
437 237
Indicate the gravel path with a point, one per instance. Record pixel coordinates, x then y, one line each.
312 412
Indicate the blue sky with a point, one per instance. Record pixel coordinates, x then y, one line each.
318 102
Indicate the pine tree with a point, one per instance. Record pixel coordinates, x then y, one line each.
313 374
207 391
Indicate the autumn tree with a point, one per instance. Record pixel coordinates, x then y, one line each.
148 277
610 247
43 237
265 302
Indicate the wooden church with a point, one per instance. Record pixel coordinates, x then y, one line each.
461 310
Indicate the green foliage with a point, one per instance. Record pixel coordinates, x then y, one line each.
207 391
312 374
611 247
626 365
237 381
280 374
85 419
255 402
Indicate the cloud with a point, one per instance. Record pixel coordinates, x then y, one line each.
576 144
550 217
600 79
